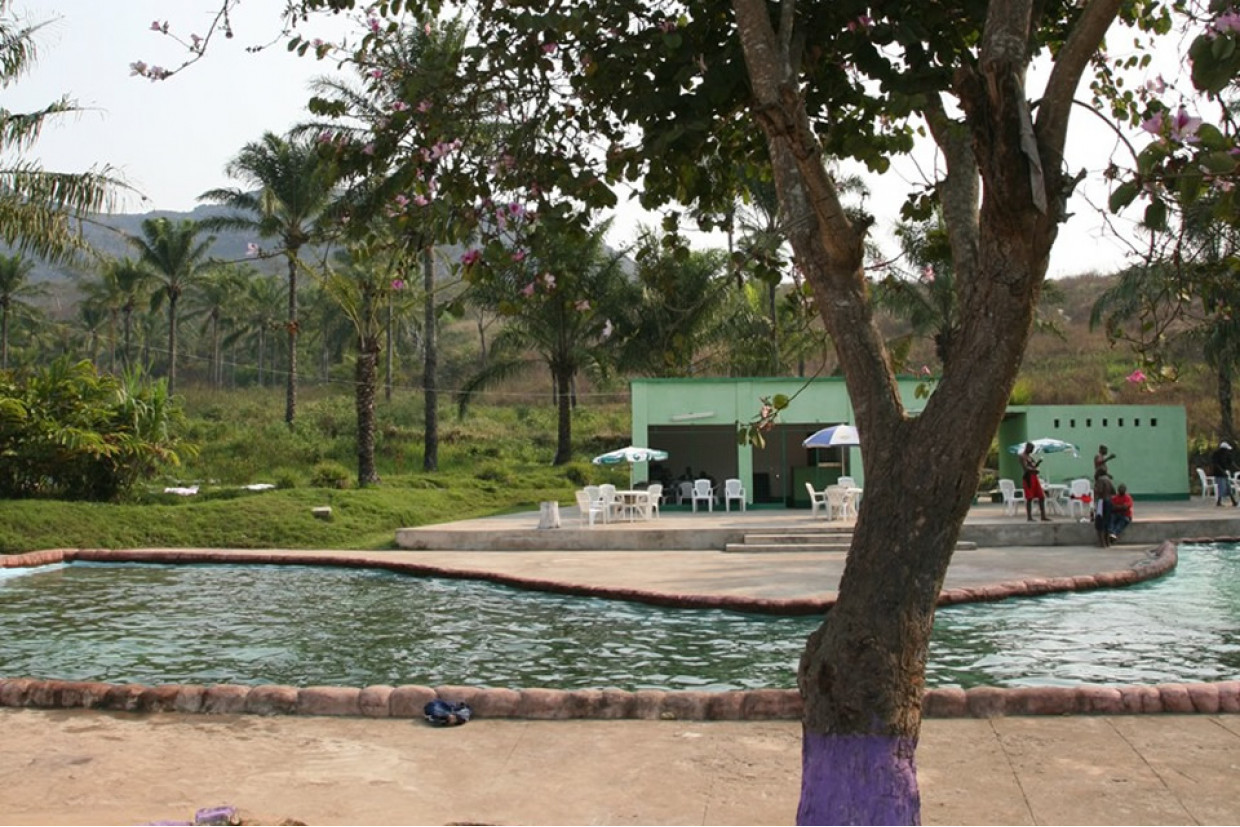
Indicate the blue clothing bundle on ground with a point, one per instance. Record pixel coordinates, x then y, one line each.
447 713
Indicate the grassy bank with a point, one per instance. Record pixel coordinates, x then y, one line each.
493 461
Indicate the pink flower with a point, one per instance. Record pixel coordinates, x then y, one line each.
420 200
549 48
377 74
528 290
582 305
138 67
861 24
925 370
1153 124
401 200
518 256
252 249
369 149
1228 22
156 26
424 106
1136 377
470 257
399 106
927 274
1184 128
398 284
548 280
373 24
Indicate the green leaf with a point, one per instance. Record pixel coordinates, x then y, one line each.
1156 215
1123 195
1217 162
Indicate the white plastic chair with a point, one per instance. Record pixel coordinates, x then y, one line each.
612 507
588 508
1209 490
817 499
654 492
1011 495
684 492
1081 492
837 502
701 491
732 490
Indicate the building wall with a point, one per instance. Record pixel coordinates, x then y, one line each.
1150 444
697 421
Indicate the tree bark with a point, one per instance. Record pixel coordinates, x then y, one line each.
430 366
562 379
862 674
365 377
1227 427
172 342
290 399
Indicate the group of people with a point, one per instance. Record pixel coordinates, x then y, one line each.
1111 506
1224 463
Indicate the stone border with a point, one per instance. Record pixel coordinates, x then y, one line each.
553 704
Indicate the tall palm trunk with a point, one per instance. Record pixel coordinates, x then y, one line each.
1227 426
365 377
563 381
4 334
172 341
290 404
126 356
430 366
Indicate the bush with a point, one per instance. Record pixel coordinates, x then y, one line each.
330 475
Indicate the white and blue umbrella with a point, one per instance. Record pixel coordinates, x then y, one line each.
832 437
630 453
1047 446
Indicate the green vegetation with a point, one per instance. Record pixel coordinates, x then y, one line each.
494 461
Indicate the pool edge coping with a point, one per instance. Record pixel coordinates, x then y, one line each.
383 701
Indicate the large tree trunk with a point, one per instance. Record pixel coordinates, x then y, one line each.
127 358
1227 428
290 401
862 674
365 377
430 366
4 335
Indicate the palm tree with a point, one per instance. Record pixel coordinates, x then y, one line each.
556 305
260 313
14 290
296 185
37 207
364 289
176 259
216 299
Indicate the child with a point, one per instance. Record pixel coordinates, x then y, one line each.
1121 513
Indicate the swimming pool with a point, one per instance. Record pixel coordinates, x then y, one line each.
304 625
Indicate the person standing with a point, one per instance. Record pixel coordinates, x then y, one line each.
1031 484
1104 490
1100 462
1223 464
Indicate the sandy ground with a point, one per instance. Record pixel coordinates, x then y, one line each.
89 767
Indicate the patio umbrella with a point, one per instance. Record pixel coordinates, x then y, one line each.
832 437
630 453
1046 446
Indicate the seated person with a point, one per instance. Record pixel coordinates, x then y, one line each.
1121 512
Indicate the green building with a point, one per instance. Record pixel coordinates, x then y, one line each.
696 421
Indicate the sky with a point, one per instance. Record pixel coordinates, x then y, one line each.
172 139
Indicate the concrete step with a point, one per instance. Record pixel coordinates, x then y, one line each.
775 545
841 535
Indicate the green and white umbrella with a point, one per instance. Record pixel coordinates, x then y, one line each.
630 453
1047 446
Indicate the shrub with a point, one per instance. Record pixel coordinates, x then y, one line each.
330 475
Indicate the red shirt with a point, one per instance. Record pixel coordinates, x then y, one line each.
1122 504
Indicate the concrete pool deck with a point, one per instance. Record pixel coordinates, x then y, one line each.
71 766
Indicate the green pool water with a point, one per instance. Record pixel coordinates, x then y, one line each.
303 626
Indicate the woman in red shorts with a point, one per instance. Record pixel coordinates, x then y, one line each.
1031 483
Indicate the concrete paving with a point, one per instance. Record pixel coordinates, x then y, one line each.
81 766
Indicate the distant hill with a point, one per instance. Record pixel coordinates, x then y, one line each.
107 234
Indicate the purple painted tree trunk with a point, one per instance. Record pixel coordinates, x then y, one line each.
858 779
